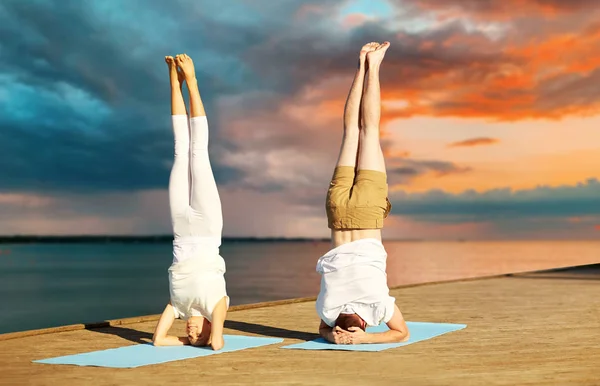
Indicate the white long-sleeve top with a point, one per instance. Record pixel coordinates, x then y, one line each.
354 280
196 279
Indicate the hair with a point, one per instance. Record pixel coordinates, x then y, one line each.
345 321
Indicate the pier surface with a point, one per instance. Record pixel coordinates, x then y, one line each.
527 329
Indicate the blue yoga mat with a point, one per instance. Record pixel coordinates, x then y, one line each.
419 331
146 354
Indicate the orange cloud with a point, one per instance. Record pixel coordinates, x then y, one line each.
509 69
501 10
525 74
307 10
597 227
474 142
354 20
518 173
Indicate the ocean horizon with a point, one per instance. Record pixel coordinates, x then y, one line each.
19 239
49 284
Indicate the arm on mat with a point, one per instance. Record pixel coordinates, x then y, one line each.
398 331
218 321
160 337
333 334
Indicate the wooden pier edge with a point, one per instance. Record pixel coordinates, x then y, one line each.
149 318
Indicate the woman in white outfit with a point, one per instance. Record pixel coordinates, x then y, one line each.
354 292
196 281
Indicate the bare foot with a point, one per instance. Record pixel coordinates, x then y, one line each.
187 66
176 80
369 47
375 57
217 342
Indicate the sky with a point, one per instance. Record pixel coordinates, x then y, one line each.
490 121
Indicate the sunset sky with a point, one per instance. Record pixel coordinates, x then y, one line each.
491 113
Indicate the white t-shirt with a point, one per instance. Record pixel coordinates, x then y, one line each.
196 283
354 280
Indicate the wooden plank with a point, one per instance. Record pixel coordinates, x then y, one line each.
521 331
155 317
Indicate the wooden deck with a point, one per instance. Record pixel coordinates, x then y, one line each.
541 329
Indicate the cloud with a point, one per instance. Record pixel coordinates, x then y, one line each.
474 142
142 212
97 103
582 199
246 212
498 9
84 97
402 170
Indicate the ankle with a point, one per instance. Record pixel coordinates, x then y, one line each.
351 133
362 61
373 66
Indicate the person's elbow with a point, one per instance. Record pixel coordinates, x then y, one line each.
157 341
323 333
401 335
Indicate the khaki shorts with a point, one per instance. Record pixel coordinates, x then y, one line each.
357 201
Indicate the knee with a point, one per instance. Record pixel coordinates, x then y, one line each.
351 132
180 220
215 229
182 153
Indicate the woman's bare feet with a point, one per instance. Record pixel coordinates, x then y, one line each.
375 57
187 66
174 74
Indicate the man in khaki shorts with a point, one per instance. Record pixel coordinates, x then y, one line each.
354 292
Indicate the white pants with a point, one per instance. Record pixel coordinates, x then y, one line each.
193 196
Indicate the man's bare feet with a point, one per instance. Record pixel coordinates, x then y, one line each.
176 78
187 66
375 57
369 47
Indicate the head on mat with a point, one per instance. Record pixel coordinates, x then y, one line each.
198 330
345 321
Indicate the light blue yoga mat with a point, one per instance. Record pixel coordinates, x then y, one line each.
146 354
419 331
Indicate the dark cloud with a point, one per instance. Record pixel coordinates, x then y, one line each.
565 201
112 57
564 90
401 170
499 9
38 156
474 142
405 171
84 94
